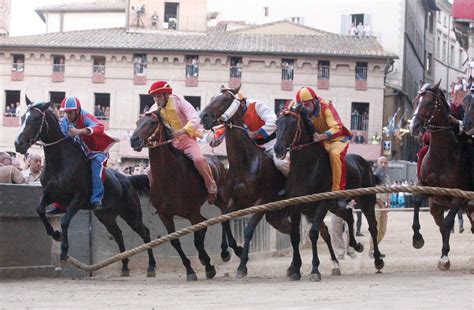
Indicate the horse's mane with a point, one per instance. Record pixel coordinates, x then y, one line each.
167 129
307 122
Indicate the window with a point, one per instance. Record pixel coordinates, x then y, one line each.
287 67
58 63
360 116
99 65
146 101
235 67
55 97
444 50
18 63
445 23
195 101
361 71
192 66
102 106
139 64
430 21
429 62
323 70
171 15
438 45
280 104
460 59
12 102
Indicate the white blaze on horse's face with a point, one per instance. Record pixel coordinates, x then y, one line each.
415 113
23 125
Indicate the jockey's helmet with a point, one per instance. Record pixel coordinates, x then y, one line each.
160 87
70 103
305 94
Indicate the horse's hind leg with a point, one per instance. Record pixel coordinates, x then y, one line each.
136 223
346 215
248 233
108 219
367 207
229 239
418 240
324 232
169 224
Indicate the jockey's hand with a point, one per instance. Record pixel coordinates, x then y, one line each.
320 137
252 135
461 127
178 133
216 141
78 132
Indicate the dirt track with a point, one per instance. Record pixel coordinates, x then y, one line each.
410 279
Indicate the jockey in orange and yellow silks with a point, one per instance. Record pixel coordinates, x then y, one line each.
329 130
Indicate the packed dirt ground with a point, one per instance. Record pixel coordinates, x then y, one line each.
410 280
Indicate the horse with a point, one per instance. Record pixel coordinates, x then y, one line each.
66 179
444 165
177 189
310 172
253 178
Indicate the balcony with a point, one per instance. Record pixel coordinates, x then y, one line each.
191 81
98 74
287 85
235 76
361 84
139 80
11 121
323 84
58 73
17 72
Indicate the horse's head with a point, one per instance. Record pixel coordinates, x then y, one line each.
468 120
293 128
431 110
33 125
150 131
221 108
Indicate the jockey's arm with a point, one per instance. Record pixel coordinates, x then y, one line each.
268 116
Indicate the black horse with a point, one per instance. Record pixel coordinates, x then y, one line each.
66 179
310 172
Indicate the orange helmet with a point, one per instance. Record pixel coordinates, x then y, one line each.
160 87
305 94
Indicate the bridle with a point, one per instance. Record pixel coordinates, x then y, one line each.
428 119
44 123
293 145
158 133
227 115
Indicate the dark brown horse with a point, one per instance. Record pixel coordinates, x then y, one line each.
444 165
310 172
177 189
253 178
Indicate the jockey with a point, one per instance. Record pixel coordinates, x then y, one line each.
89 133
260 122
329 130
184 120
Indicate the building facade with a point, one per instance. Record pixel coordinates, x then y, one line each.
5 10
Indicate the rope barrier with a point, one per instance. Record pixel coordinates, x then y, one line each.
270 207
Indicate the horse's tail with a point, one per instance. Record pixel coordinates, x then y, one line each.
141 183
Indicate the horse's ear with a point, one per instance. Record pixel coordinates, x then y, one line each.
436 86
45 105
297 108
28 101
236 90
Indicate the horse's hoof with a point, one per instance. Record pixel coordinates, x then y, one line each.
379 263
238 251
315 277
57 236
241 272
125 273
225 256
211 273
359 247
151 274
336 272
444 264
191 277
418 242
295 276
289 271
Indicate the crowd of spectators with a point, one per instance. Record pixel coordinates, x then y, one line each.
360 29
102 112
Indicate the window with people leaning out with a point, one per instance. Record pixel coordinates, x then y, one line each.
192 66
361 71
139 64
18 64
55 97
323 70
287 67
146 101
280 104
102 106
12 103
356 25
359 120
58 63
99 65
235 67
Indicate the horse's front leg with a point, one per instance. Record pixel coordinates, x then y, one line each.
319 214
294 271
74 206
418 240
248 233
41 210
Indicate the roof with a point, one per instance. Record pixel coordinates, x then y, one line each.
96 6
212 41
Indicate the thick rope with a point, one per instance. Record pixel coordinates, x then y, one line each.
270 207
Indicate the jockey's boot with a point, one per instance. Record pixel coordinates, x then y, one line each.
211 198
97 206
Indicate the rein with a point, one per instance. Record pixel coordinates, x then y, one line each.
43 122
293 145
427 124
150 142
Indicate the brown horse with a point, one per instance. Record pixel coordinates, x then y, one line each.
177 189
444 165
310 172
253 178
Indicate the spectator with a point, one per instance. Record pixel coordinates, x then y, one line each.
8 173
381 202
98 111
339 228
367 30
360 29
353 29
32 174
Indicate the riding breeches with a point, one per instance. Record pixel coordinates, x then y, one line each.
337 155
191 149
98 164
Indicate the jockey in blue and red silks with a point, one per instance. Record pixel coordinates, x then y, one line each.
87 131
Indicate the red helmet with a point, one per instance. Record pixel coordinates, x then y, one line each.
305 94
70 103
160 87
